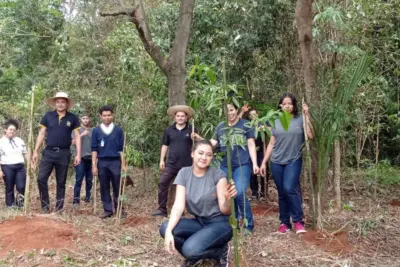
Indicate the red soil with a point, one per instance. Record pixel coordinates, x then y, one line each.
135 221
337 244
395 203
264 210
25 234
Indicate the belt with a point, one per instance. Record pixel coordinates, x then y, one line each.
56 148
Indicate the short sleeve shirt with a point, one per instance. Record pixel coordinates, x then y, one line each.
59 129
239 153
288 144
86 142
201 192
12 150
179 144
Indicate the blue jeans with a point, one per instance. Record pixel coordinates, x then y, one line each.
241 177
200 238
287 180
84 169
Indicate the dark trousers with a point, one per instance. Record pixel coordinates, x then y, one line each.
254 179
14 175
163 186
83 170
287 180
200 238
59 160
109 173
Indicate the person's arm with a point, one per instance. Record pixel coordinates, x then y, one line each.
95 148
267 155
309 128
163 154
39 141
253 154
176 214
78 147
225 193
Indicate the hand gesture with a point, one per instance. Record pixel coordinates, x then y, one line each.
230 191
245 108
169 243
305 109
256 169
34 160
77 161
162 165
263 169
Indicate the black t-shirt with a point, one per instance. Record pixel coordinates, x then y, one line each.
179 144
59 129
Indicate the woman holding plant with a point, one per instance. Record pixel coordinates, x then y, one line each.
284 149
13 154
205 192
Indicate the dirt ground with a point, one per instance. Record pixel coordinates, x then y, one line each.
365 235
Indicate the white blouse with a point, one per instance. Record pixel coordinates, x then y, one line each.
12 150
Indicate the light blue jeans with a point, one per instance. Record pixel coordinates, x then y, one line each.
241 177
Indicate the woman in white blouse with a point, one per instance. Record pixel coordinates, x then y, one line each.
12 155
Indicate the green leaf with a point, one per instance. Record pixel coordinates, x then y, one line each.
285 118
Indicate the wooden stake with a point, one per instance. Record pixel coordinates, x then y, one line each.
28 164
95 195
119 206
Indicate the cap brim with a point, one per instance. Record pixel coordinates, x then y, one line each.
52 102
183 108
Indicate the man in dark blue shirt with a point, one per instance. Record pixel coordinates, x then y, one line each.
108 159
177 141
58 125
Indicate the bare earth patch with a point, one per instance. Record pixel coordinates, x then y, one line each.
24 234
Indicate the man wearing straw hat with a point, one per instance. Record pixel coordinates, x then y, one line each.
56 126
177 141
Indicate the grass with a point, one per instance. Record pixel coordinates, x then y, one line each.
373 233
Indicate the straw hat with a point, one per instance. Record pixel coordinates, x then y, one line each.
188 110
52 100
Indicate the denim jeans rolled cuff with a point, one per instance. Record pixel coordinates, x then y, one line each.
241 177
200 238
287 180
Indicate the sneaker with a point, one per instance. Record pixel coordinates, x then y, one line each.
189 263
223 260
159 213
299 227
87 200
106 214
283 228
75 205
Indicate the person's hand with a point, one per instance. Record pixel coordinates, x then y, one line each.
85 132
196 137
77 160
124 168
95 171
169 243
1 175
162 165
263 169
245 108
305 109
230 191
34 160
256 169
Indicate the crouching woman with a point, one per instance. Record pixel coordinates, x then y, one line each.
206 194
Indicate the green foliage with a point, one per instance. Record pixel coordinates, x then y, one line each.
367 225
387 174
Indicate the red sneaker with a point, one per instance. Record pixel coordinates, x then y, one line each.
283 228
299 227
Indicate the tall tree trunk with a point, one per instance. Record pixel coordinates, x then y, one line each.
304 29
174 67
337 174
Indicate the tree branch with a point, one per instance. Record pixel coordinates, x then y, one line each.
117 13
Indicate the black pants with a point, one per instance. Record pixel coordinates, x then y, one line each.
14 175
109 173
254 179
165 180
60 161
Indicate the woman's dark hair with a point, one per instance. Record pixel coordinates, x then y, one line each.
106 108
10 122
294 103
202 142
